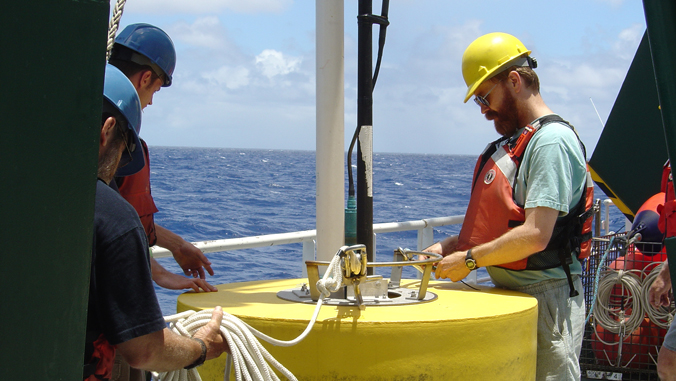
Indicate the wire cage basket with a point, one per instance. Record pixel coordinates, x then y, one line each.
623 333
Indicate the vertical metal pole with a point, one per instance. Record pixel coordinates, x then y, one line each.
661 23
365 123
330 128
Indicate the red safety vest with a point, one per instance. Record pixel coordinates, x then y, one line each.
136 190
667 222
99 365
492 210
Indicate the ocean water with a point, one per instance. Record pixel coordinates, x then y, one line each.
218 193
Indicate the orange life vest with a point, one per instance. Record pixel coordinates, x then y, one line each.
99 359
136 190
492 210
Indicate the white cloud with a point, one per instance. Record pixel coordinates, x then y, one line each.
273 63
205 32
197 7
612 3
230 77
257 70
628 39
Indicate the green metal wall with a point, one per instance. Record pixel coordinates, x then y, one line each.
52 55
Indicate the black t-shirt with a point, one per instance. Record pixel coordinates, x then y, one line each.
122 300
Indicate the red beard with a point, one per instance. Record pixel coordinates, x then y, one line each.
506 119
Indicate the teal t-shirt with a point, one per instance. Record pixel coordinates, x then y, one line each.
552 161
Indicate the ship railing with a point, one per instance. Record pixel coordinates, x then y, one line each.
308 238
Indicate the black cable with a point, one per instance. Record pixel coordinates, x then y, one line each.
473 288
383 22
381 38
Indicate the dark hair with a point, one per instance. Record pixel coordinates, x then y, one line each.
529 76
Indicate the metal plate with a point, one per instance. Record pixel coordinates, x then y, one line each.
395 297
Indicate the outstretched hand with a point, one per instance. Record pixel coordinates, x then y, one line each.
658 294
192 260
171 281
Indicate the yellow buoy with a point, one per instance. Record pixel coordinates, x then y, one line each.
464 334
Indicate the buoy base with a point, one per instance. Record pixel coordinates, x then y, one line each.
465 334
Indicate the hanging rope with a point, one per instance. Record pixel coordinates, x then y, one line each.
596 279
114 25
662 316
249 357
618 319
333 277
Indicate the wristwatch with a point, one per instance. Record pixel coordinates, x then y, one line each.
469 261
203 355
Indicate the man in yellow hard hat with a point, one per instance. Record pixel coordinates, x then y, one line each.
529 216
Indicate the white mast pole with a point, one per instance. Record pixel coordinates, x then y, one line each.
330 148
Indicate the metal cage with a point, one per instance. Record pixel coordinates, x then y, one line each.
623 333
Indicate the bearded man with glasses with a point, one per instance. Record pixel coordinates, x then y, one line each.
529 216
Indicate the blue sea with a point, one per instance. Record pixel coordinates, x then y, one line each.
217 193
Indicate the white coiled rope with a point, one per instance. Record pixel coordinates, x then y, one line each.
614 318
249 357
661 316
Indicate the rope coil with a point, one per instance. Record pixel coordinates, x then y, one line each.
661 316
617 318
249 357
620 301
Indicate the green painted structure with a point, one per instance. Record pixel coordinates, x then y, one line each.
628 158
52 59
660 16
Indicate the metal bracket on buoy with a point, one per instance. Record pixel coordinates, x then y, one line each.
361 289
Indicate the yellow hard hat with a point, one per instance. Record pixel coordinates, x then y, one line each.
487 55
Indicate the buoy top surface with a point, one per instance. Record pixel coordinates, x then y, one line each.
455 301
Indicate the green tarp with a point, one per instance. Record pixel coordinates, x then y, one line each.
628 159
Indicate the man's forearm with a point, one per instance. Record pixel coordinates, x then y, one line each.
520 242
168 239
160 351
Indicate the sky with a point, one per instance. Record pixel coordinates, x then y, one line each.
245 72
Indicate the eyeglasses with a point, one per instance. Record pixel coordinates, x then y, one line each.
481 100
157 72
130 146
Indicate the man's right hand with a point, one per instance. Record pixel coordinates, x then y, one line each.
444 247
658 294
166 279
212 336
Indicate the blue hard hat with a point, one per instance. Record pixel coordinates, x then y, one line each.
119 92
152 43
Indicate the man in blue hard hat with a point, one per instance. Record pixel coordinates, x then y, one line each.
124 316
146 55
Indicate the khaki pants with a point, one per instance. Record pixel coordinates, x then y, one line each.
123 372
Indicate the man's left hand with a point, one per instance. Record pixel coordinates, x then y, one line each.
452 267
